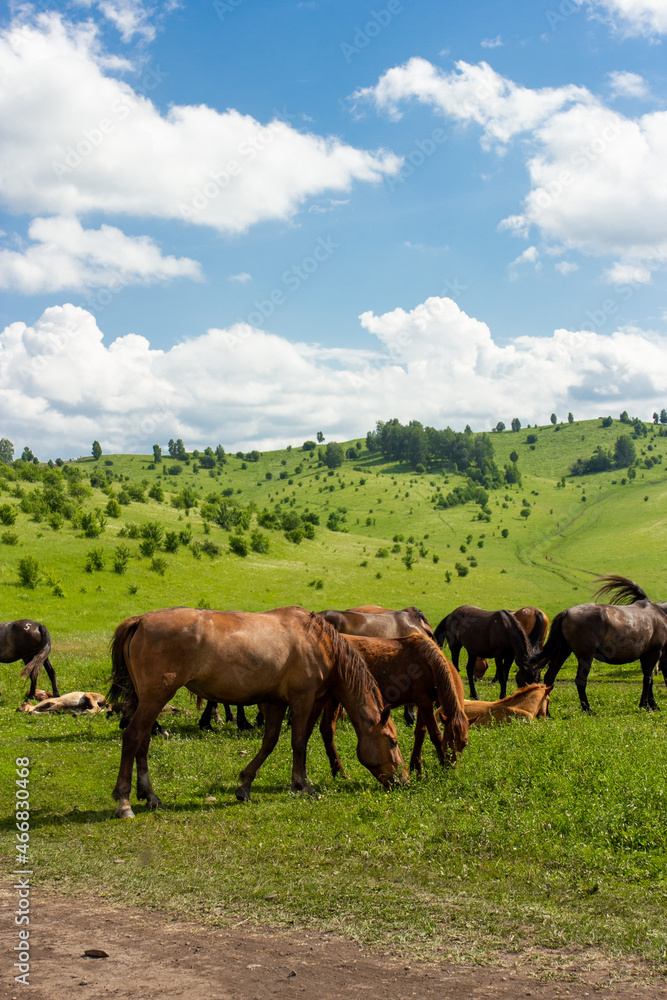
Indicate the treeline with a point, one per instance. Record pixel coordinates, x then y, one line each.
424 448
623 456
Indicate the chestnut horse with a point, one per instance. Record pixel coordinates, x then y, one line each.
409 669
487 634
635 631
372 620
283 657
29 641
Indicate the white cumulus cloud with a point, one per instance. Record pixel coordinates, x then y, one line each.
61 387
96 144
634 17
624 84
64 255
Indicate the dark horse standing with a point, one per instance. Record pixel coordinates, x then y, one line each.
637 630
489 635
28 641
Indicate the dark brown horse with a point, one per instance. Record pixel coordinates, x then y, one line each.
283 657
486 634
372 620
535 624
637 630
28 641
409 669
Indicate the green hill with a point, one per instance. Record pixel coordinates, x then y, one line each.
382 537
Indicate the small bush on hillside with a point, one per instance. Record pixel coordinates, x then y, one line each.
159 565
121 558
259 542
8 513
10 538
94 560
238 545
171 541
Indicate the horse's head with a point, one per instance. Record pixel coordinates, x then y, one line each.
377 749
531 672
455 738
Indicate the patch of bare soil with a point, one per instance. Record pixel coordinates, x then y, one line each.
151 955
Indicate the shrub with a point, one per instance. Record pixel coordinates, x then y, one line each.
156 492
8 513
505 532
195 548
94 560
147 547
259 542
382 553
238 545
461 569
171 541
113 508
210 548
10 538
159 565
121 558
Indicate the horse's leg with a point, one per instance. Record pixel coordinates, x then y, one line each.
648 662
503 666
205 720
242 723
229 715
144 787
302 710
583 669
409 714
274 715
136 733
470 669
33 685
426 712
48 666
420 733
328 732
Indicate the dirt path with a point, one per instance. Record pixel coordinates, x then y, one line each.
154 956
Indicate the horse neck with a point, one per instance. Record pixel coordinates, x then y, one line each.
361 707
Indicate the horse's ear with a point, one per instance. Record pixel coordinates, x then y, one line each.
386 712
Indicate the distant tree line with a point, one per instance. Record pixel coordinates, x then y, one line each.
421 447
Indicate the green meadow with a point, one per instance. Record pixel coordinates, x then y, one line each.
551 835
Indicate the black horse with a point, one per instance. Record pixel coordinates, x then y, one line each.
28 641
637 630
488 635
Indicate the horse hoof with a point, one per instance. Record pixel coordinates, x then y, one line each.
242 794
154 803
124 812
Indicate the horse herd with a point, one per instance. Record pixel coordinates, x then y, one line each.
366 660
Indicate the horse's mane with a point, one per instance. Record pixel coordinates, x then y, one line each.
419 614
350 664
523 651
450 706
624 590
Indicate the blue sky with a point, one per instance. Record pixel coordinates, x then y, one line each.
245 221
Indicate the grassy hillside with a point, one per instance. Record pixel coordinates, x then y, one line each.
439 868
591 525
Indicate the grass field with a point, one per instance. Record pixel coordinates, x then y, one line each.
552 834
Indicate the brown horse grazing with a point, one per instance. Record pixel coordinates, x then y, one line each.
410 668
283 657
486 634
417 616
29 641
531 702
377 622
637 630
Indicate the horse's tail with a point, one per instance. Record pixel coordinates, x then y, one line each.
519 641
349 664
450 706
555 649
539 630
624 590
122 691
34 666
440 632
